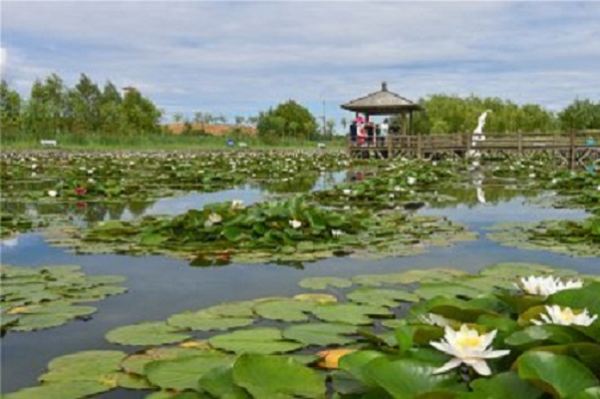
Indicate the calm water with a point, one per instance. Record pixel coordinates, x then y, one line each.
160 286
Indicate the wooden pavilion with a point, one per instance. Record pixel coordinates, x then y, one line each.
383 103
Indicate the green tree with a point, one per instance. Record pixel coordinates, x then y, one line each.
84 106
141 116
580 114
111 116
47 108
287 119
10 109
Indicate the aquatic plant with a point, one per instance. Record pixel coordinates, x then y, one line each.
293 230
354 344
577 238
36 298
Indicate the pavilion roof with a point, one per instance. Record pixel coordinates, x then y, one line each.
382 102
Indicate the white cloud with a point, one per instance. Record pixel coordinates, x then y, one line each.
242 57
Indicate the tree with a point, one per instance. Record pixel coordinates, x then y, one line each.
580 114
177 117
84 106
344 123
287 119
141 115
111 115
46 110
10 109
239 120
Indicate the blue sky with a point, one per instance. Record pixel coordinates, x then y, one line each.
240 58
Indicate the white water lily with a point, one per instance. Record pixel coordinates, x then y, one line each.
213 218
237 204
52 193
397 188
411 180
434 320
336 233
547 285
468 347
347 191
565 317
296 224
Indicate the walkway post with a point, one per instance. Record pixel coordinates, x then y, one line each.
572 151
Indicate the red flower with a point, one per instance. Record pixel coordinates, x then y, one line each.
80 191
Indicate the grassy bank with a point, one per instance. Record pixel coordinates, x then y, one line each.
155 142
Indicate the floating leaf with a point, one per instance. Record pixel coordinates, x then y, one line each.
321 283
183 372
151 333
381 297
558 375
267 377
259 340
205 321
349 313
321 334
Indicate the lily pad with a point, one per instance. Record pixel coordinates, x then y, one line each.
381 297
321 334
151 333
259 340
206 321
321 283
349 313
183 372
267 377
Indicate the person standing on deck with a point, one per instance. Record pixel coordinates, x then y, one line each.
360 129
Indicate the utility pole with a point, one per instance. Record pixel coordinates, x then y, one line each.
324 120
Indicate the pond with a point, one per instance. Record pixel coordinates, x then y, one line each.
159 286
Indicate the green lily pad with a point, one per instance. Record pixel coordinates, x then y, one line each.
267 377
259 340
349 313
321 283
381 297
95 365
284 309
558 375
322 334
205 321
183 372
60 390
151 333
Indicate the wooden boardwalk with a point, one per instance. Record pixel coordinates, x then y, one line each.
573 150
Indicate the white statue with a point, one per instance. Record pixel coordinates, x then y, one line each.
481 122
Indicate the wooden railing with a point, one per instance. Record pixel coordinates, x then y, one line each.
419 145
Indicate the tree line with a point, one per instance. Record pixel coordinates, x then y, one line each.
453 114
54 108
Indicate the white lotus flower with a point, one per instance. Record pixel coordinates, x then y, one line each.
468 347
296 224
547 285
411 180
52 193
532 175
237 204
397 188
213 218
347 191
554 181
336 233
565 317
434 320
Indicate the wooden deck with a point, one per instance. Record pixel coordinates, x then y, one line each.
573 150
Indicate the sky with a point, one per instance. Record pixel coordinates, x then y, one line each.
238 58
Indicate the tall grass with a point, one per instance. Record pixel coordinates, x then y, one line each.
154 142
